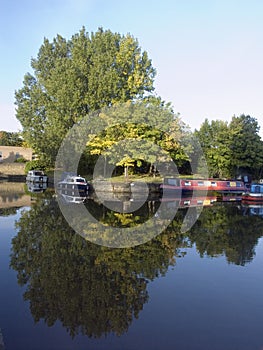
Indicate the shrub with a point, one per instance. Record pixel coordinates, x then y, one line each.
35 164
20 160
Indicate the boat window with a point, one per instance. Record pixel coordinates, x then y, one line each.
172 182
187 183
213 183
200 183
257 189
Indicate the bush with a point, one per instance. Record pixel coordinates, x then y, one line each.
35 164
20 160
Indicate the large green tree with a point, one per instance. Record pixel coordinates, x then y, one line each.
74 77
214 140
246 145
232 148
142 131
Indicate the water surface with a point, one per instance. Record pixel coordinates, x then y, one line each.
196 290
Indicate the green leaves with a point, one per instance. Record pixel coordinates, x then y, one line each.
140 131
74 77
10 139
230 148
246 146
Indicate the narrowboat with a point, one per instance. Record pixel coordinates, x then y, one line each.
224 196
254 194
185 185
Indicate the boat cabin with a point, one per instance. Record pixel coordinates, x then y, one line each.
256 188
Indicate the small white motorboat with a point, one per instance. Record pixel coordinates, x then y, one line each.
73 183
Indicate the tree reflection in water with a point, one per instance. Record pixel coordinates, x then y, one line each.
225 230
91 289
95 290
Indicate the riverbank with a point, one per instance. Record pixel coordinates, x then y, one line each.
125 186
12 172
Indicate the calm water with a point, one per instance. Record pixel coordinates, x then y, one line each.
196 290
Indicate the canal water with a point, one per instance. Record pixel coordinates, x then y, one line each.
199 289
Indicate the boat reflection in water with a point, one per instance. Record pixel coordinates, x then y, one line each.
191 201
71 196
36 187
252 209
97 293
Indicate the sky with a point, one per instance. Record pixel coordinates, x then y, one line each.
208 54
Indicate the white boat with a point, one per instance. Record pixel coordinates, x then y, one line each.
36 176
73 183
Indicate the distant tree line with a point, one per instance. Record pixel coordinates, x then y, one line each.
10 139
232 148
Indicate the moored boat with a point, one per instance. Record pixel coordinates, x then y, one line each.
73 183
255 193
186 185
36 176
224 196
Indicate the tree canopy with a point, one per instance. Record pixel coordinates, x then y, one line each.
10 139
146 131
74 77
232 148
246 145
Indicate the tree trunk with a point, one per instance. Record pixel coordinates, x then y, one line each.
105 166
126 168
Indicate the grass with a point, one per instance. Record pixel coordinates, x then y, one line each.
131 178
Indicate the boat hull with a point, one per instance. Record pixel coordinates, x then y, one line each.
255 193
42 179
36 176
73 184
253 197
73 187
185 185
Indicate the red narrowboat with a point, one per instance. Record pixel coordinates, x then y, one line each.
184 185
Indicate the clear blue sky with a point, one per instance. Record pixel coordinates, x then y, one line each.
208 54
